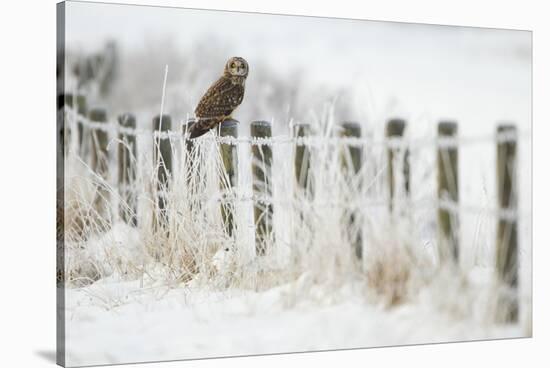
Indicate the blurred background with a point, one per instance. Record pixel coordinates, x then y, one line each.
371 69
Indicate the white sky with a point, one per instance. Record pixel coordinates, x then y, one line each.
440 69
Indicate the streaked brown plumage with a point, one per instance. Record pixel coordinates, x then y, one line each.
221 98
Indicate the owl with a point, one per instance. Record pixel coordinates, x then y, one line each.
221 99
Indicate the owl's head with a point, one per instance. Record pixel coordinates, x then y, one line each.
237 67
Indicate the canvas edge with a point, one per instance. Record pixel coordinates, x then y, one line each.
60 176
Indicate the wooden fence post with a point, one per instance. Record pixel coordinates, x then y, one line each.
81 109
65 131
100 159
80 102
302 158
447 191
394 130
162 159
191 163
507 232
228 182
351 164
262 158
127 151
188 142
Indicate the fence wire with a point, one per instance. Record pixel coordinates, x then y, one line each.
397 143
310 141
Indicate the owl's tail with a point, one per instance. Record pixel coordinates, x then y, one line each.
199 127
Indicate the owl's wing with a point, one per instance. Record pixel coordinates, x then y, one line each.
220 99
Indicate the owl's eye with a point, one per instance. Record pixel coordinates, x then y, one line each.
232 65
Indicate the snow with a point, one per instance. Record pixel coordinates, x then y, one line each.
160 323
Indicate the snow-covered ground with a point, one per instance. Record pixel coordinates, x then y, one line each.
119 323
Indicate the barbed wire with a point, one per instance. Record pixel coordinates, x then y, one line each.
311 141
320 141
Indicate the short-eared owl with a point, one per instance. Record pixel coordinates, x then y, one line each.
222 97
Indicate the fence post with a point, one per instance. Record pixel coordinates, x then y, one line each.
507 232
228 181
162 160
127 150
65 131
188 142
262 158
302 157
81 109
447 191
100 158
351 164
190 161
394 130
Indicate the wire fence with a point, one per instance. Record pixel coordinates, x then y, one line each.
389 142
112 127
